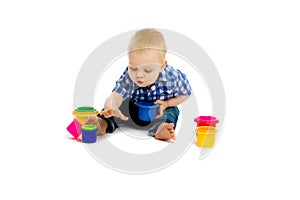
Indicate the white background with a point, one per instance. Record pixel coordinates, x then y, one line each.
255 46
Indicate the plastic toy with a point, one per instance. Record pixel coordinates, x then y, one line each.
206 138
89 133
147 110
206 131
85 109
82 113
75 128
206 121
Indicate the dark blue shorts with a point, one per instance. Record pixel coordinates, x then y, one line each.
129 109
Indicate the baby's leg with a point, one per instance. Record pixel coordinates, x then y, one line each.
165 131
163 127
100 123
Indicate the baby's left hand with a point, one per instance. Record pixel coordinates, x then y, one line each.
162 106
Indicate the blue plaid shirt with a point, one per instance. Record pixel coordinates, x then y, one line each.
170 83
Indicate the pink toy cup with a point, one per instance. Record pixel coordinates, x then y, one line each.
206 121
207 118
75 128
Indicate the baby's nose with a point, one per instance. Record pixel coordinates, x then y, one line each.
139 75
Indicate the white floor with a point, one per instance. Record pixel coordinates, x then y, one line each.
137 141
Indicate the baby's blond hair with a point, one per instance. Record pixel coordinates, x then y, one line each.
147 39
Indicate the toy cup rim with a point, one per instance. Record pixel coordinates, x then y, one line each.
89 127
85 109
150 106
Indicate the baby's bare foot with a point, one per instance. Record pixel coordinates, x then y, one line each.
100 123
165 131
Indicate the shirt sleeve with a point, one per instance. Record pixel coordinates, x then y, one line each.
123 85
183 84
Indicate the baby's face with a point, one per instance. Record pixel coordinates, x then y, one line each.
144 67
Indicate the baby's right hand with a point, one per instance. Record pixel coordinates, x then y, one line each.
109 112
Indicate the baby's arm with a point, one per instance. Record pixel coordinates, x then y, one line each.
176 100
111 106
113 101
170 103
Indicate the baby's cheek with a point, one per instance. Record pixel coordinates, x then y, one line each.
131 77
153 77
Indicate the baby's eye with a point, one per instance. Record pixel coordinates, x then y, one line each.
132 69
148 70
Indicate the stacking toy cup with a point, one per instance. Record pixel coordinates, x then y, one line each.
147 111
75 128
206 136
206 131
89 133
206 121
83 112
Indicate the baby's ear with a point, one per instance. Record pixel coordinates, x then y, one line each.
163 66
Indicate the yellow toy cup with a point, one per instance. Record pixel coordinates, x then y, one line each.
83 112
206 136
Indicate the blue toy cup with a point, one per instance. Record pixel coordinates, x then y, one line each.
89 133
147 111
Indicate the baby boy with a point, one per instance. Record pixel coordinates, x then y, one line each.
149 78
